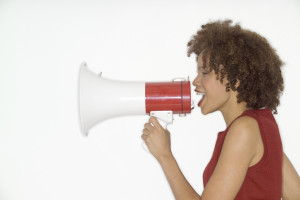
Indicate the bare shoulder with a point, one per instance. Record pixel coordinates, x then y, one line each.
244 127
237 154
244 135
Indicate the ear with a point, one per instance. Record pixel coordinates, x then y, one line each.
219 75
221 68
222 76
237 83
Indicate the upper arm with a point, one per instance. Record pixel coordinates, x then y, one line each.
290 181
238 151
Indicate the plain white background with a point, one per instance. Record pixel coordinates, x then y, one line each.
42 43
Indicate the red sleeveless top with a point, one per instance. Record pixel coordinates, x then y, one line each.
264 179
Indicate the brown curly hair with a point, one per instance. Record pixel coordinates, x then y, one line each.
251 65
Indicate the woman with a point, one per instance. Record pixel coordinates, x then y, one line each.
238 74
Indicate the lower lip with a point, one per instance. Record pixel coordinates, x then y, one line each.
200 102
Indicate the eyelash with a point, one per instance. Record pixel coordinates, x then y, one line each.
203 72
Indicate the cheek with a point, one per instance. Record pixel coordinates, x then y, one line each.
216 88
221 89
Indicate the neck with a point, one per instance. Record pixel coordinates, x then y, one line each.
232 110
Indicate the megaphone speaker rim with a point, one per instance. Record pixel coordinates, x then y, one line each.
84 131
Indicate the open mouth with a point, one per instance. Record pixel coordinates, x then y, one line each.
202 98
201 95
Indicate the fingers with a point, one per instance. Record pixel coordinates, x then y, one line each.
147 131
148 127
144 136
154 121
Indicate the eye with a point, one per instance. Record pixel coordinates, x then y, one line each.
204 73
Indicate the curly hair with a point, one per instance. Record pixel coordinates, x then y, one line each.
250 64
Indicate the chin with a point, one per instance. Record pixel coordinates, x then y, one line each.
203 111
206 111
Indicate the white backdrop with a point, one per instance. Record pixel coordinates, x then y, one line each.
42 43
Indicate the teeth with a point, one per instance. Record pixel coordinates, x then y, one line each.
198 93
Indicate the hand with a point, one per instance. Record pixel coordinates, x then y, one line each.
157 138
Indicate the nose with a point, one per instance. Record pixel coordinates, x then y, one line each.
196 81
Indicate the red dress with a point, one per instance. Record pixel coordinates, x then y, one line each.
264 179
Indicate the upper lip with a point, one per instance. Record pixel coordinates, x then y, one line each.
198 91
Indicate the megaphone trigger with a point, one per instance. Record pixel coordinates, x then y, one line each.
163 117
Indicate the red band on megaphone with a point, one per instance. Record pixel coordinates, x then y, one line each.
174 96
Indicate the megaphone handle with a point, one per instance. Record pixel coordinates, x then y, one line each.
162 123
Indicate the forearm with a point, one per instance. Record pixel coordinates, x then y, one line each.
181 188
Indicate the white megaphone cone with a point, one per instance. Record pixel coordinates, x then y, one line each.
101 98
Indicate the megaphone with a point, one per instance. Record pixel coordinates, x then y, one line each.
102 98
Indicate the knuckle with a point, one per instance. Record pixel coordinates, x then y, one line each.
152 118
147 140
